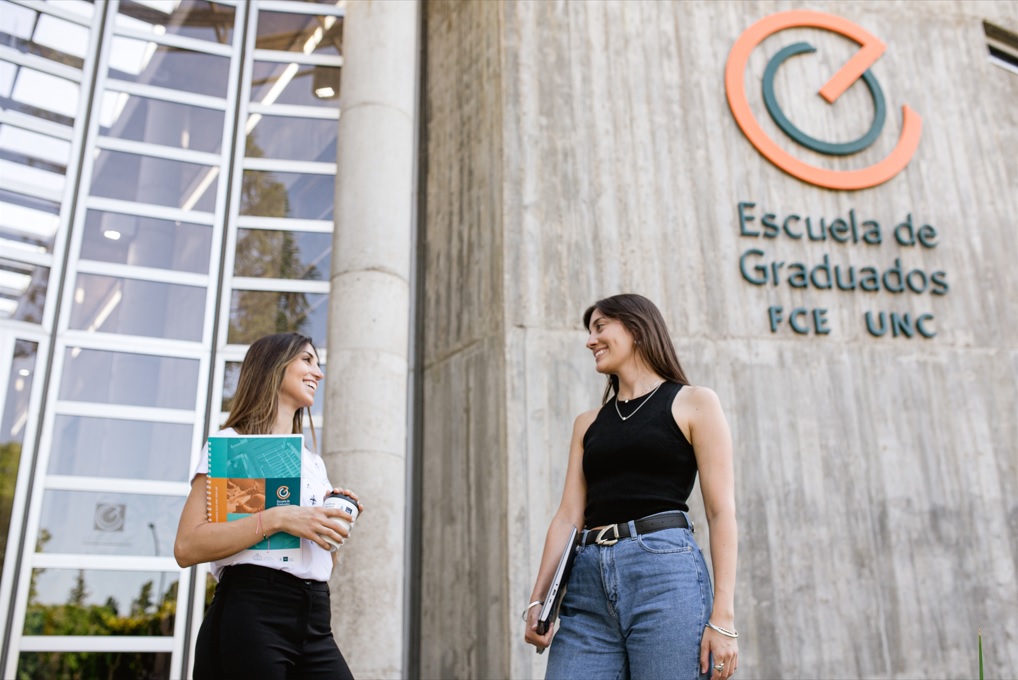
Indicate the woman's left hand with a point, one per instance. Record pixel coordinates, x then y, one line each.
725 651
351 494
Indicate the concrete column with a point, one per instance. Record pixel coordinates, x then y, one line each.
365 443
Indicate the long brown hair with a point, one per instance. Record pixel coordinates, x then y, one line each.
256 401
643 320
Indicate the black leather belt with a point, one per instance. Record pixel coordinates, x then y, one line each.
611 534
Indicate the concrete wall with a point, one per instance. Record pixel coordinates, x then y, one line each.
464 539
576 150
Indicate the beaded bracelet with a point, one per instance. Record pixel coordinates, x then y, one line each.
529 607
723 631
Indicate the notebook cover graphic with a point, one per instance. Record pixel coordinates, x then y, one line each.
250 473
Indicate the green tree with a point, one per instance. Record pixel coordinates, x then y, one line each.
10 457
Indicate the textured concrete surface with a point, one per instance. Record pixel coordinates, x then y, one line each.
365 442
576 150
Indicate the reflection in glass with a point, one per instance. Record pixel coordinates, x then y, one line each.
38 94
142 119
296 139
158 181
96 602
231 374
107 665
18 145
44 177
12 431
43 35
132 307
108 523
299 33
256 313
27 223
22 291
109 447
141 61
212 21
287 194
122 378
276 83
146 242
269 254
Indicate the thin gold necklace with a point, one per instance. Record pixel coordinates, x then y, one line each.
625 418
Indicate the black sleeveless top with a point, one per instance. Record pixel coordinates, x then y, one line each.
639 466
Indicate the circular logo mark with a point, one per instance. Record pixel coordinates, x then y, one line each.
857 67
109 516
283 492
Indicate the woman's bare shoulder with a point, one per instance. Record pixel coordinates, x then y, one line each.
693 402
584 420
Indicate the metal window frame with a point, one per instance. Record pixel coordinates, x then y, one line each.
8 337
55 10
55 336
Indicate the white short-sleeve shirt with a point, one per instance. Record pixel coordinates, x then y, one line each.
316 562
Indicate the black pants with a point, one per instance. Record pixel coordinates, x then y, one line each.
265 623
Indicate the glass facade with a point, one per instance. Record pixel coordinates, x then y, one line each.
167 172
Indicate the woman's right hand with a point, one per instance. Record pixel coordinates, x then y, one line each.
314 523
531 636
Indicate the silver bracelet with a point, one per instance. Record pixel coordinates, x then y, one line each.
529 607
723 631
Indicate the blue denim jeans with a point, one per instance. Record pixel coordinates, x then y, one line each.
636 609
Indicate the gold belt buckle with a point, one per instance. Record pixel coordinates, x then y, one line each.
600 540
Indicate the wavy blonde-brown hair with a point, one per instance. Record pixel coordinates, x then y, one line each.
256 401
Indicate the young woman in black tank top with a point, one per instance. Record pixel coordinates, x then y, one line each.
639 601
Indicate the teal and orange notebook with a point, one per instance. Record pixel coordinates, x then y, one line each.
250 473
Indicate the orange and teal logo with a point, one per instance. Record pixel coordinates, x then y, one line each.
871 48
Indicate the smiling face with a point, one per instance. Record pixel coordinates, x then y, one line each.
300 380
611 342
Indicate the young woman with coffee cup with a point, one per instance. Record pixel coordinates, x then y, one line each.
269 619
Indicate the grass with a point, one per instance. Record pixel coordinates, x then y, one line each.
980 655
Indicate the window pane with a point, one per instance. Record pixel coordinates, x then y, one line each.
27 223
43 35
283 254
113 665
141 61
95 602
22 291
38 94
132 307
297 139
12 431
256 313
32 148
231 374
146 242
299 33
287 194
276 83
158 181
107 523
142 119
135 379
212 21
108 447
41 177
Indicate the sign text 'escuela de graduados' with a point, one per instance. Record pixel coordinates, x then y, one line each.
820 273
